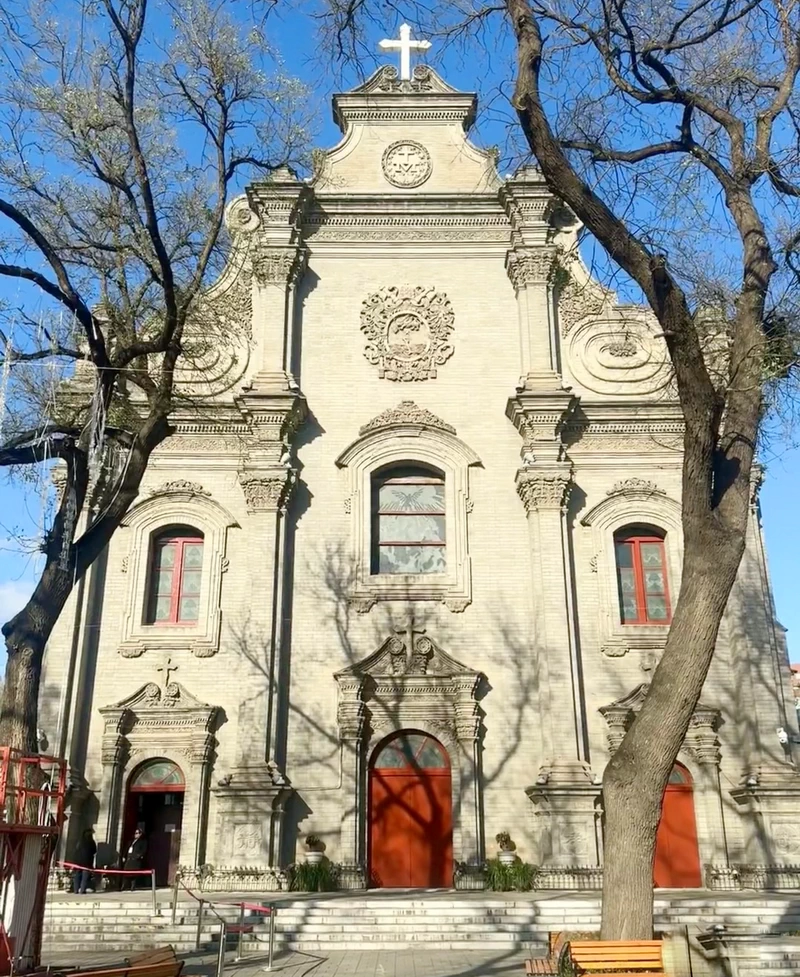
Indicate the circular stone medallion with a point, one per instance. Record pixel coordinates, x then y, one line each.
406 164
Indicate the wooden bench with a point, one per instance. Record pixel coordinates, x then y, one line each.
547 966
169 968
161 954
622 958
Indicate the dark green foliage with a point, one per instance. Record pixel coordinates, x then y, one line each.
305 877
517 877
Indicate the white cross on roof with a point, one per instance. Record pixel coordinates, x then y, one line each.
405 46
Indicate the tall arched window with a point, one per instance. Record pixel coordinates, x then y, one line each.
176 568
642 576
408 521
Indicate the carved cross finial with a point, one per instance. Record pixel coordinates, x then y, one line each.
167 668
405 46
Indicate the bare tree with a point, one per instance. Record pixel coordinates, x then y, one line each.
123 130
671 130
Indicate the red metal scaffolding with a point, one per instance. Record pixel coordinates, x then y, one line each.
32 791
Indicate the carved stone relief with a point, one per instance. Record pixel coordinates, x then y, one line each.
406 164
180 485
408 330
406 412
543 489
266 492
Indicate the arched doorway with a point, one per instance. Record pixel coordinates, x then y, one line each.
677 861
410 813
155 804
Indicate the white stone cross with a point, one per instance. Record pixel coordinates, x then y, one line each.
405 46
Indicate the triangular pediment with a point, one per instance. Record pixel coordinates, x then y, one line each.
399 657
152 696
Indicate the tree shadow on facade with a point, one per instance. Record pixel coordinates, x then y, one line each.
355 640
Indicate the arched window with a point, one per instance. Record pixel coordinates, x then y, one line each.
408 521
176 567
157 775
642 576
414 750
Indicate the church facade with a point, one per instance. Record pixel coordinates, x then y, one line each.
401 577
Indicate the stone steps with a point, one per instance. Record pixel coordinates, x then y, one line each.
377 922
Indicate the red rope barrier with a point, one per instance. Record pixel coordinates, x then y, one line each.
107 871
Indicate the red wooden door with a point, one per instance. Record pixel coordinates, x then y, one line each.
677 861
410 814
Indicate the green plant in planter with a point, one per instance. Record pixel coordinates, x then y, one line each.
308 877
517 877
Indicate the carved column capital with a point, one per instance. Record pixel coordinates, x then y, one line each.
279 266
547 488
529 267
267 492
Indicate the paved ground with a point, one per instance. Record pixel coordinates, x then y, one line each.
347 963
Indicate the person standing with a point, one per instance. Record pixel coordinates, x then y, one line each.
134 859
85 854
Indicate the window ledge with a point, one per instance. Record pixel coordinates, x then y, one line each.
635 637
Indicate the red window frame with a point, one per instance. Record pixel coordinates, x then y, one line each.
635 538
176 591
414 475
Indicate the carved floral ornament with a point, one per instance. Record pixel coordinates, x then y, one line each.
179 485
408 330
635 486
406 412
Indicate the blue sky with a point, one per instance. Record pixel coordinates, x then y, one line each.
20 504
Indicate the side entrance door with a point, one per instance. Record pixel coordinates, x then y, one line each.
410 814
677 861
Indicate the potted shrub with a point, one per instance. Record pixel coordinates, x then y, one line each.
507 848
315 849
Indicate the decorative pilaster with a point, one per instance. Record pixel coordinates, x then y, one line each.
529 265
279 261
267 479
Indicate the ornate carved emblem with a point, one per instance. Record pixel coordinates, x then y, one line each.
406 412
408 330
406 164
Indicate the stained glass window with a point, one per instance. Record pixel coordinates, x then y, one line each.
414 750
679 775
175 573
642 576
408 524
157 773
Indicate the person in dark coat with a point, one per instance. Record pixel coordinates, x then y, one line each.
134 859
85 855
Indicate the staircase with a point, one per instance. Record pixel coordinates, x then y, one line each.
393 921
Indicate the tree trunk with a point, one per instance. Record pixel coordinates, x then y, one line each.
20 698
637 774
